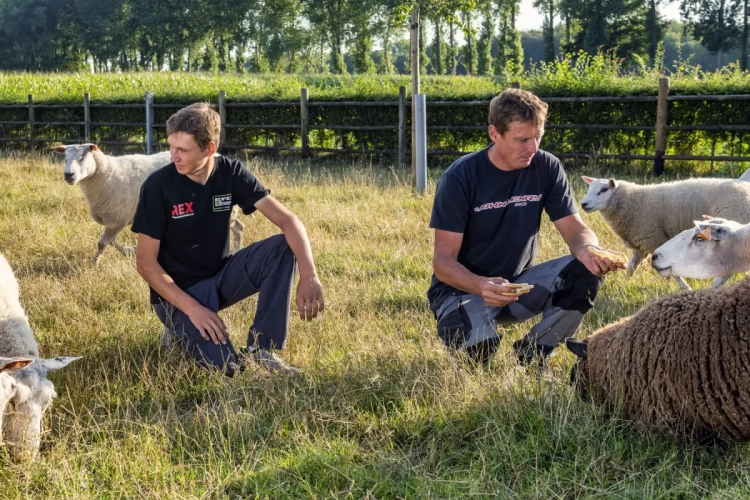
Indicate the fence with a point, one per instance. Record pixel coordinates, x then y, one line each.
298 134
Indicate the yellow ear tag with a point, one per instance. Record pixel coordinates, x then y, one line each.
705 234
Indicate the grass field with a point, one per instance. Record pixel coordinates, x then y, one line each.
381 410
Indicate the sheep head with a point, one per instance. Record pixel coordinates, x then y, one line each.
579 373
8 382
599 194
713 248
34 394
79 163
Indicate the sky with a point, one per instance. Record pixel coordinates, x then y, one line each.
530 19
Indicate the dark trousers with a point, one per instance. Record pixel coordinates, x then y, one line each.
564 290
267 266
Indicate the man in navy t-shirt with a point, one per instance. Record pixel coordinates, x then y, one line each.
487 215
182 221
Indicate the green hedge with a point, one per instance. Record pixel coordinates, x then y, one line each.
584 76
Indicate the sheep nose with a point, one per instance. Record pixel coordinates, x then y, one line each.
585 204
68 176
654 258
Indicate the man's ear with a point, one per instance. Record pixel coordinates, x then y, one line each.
587 180
577 347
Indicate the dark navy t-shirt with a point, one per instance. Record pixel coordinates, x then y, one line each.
191 220
499 213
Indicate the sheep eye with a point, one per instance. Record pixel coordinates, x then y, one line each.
603 190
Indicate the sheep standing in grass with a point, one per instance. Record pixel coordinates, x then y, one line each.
33 394
645 217
111 185
715 248
678 366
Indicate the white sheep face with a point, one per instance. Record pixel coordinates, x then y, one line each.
22 428
709 250
599 193
79 162
8 382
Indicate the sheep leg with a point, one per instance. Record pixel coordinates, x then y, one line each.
682 283
110 233
127 251
635 261
236 226
719 282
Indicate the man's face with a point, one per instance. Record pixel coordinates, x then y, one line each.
518 145
187 156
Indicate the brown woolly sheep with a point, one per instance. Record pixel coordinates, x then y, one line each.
678 366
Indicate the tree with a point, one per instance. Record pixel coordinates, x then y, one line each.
548 8
484 44
714 23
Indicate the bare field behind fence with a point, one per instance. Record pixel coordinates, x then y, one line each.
381 410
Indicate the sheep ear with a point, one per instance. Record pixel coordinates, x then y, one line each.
59 150
93 147
578 347
612 183
707 217
54 364
587 180
13 364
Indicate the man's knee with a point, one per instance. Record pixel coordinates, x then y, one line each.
455 330
579 289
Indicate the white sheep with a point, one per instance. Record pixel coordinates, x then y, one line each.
715 248
645 217
111 185
745 175
33 391
8 382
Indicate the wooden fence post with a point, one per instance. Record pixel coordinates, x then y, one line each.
32 134
86 117
223 117
661 123
401 125
149 122
305 125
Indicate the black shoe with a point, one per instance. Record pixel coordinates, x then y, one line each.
482 352
529 355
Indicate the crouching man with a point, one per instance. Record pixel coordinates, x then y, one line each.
486 215
182 222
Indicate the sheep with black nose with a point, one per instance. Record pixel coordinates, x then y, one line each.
645 217
715 248
678 366
111 185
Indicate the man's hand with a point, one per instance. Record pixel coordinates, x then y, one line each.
309 297
208 323
598 266
493 290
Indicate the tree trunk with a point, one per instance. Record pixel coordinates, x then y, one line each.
743 62
437 49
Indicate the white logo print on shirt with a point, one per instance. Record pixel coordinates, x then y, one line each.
517 201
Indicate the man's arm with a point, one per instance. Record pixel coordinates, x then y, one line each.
578 236
309 291
209 323
450 271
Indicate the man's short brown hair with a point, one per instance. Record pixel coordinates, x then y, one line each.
516 105
199 120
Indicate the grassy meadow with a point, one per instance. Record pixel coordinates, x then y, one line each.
381 410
